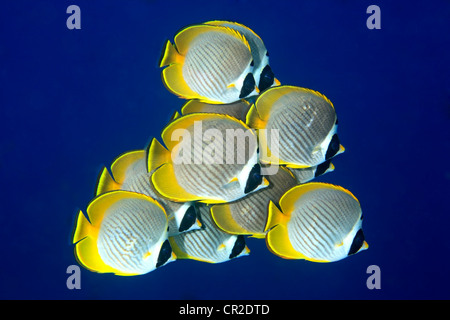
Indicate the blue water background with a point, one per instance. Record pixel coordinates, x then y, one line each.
72 100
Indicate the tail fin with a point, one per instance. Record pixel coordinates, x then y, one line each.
105 182
82 228
157 155
170 55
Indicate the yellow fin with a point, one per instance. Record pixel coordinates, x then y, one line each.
275 216
253 120
82 228
222 217
105 182
172 77
123 162
165 183
157 155
170 55
278 242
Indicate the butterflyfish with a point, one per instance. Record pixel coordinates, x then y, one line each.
211 158
126 234
315 221
300 123
211 63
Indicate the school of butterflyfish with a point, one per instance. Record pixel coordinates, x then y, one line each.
237 161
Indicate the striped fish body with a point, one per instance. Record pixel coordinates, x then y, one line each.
130 231
259 53
248 216
208 174
215 61
209 244
304 121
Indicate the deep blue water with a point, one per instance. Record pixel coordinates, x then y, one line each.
72 100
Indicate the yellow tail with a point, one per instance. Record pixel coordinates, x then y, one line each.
170 55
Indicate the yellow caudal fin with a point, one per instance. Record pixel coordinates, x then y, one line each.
82 228
221 215
165 183
105 182
170 55
157 155
123 162
275 216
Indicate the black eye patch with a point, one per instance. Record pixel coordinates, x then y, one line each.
333 147
189 218
248 86
357 243
238 247
254 179
164 254
267 78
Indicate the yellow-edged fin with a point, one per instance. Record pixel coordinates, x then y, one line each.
105 182
236 109
253 120
173 80
123 162
82 228
157 155
275 216
278 243
174 116
165 183
221 215
170 55
184 38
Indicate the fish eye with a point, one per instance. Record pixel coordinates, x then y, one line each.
254 179
266 79
238 247
333 147
248 86
164 254
357 243
321 168
189 218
